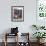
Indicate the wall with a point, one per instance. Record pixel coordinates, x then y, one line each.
29 15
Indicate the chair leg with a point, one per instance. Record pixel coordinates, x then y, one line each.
5 43
17 41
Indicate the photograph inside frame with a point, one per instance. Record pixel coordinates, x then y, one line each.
17 13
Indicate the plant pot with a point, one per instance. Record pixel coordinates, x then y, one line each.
42 40
38 40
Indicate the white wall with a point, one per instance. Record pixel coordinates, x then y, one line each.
29 15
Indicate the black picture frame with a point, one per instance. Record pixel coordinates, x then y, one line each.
17 13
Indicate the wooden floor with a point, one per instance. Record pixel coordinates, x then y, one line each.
13 44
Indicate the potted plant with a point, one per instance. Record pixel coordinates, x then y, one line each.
39 35
38 27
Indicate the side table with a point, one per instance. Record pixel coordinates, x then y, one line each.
9 34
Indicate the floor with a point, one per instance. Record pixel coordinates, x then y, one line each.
13 44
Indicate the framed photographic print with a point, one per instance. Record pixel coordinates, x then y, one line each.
17 13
